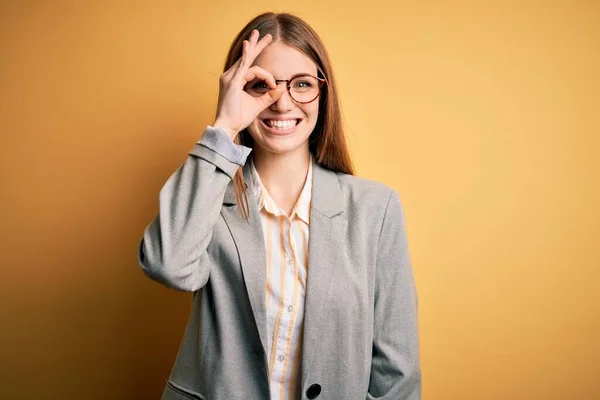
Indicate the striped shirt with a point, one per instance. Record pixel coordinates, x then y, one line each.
286 243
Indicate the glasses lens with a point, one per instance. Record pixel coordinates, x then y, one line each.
304 88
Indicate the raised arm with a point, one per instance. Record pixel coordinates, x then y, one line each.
173 248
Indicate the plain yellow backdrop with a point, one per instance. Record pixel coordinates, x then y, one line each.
484 115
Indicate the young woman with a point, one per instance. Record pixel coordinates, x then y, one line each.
301 279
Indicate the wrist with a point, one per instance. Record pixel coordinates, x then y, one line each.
230 132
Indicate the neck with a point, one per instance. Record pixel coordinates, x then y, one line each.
283 175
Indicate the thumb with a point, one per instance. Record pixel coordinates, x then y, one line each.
273 95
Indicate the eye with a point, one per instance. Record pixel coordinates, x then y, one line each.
302 84
259 86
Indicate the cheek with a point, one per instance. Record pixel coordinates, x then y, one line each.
312 111
253 128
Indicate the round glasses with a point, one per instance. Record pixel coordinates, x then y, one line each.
303 88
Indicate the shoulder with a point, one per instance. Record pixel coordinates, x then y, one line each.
371 208
365 193
359 198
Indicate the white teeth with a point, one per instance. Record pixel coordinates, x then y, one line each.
281 124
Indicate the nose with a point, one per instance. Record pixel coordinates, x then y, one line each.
284 103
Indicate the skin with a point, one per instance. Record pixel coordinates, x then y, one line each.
281 160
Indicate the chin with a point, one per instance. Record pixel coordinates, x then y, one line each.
281 146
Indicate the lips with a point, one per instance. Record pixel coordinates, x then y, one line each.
281 123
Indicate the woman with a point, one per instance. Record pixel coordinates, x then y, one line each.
300 273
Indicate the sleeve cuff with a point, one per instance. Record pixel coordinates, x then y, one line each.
219 141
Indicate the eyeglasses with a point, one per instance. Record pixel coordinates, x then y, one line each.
303 88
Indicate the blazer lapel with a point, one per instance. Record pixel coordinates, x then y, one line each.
249 240
325 260
326 235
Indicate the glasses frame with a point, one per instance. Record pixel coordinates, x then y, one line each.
289 88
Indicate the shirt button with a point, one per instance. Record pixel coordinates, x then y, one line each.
280 358
289 261
290 308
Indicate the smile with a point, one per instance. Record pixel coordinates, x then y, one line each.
280 126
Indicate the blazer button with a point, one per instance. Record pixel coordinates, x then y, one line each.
313 391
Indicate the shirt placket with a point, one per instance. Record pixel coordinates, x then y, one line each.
283 344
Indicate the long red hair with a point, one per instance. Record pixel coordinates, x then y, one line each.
327 142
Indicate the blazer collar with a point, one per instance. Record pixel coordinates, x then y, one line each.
326 196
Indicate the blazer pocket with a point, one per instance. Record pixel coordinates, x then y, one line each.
173 391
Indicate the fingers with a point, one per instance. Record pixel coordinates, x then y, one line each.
251 41
272 96
261 44
261 74
251 49
244 57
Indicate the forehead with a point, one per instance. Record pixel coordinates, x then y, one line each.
283 61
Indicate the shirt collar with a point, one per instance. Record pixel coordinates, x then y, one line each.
303 204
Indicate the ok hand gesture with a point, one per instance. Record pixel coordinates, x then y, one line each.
236 108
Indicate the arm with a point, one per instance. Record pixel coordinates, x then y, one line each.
172 250
395 367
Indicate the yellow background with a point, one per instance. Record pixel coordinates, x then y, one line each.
483 115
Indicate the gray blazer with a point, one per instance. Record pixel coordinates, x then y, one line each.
360 329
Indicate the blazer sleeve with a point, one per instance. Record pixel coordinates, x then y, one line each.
395 367
172 250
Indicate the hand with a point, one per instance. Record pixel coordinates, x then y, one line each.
236 108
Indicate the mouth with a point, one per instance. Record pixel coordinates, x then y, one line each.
279 127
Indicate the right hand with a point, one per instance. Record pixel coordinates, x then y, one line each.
236 108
